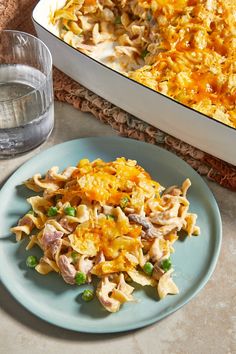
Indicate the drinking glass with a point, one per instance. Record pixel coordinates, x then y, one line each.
26 93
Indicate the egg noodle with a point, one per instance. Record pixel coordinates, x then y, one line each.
107 220
185 49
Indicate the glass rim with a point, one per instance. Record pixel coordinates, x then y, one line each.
34 89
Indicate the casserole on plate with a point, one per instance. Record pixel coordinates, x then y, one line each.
153 107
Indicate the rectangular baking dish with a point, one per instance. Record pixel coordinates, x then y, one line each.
172 117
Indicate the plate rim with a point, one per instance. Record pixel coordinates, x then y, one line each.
143 323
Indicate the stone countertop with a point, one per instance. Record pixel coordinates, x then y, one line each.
207 324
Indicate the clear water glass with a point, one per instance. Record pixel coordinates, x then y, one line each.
26 93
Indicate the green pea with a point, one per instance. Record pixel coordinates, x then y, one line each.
31 261
70 211
88 295
74 256
52 211
31 212
144 53
118 20
80 278
110 217
124 202
148 268
166 264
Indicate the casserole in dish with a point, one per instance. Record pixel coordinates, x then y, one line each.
153 107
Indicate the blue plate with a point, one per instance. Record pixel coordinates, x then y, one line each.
58 303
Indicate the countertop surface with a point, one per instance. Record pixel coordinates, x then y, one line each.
207 324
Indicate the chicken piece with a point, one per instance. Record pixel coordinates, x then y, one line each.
146 225
104 289
149 231
67 270
51 240
85 265
50 235
166 285
152 233
55 248
157 272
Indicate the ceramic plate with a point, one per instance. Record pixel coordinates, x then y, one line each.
58 303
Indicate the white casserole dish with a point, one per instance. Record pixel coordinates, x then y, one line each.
172 117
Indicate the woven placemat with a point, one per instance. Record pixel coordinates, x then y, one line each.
17 15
